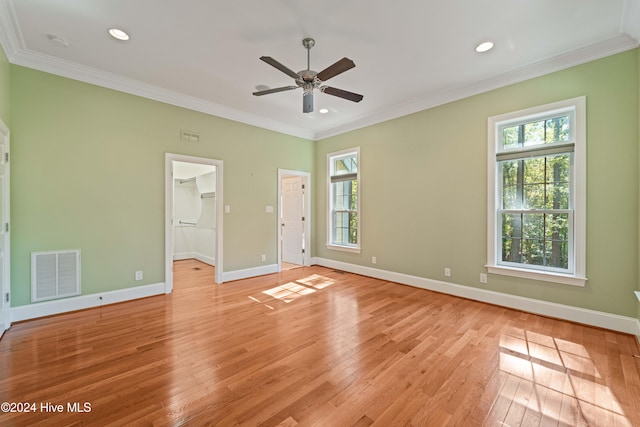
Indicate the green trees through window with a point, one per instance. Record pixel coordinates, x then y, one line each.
344 199
534 163
346 212
531 237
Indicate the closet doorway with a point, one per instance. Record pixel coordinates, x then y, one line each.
294 207
193 213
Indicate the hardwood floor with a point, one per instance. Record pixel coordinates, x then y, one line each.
313 346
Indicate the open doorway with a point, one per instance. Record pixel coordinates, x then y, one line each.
193 213
294 207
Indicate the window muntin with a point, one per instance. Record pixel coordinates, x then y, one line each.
536 211
344 201
536 194
544 131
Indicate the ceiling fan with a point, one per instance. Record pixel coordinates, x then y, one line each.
309 80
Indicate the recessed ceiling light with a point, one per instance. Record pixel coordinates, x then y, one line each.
484 46
323 110
118 34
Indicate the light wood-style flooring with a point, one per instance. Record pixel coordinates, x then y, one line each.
314 346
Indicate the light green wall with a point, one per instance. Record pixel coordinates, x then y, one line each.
424 187
5 88
88 173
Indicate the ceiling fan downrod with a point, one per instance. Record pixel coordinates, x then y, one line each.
308 43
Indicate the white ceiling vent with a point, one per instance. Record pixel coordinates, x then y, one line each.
55 274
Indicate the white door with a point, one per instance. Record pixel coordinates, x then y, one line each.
292 220
5 271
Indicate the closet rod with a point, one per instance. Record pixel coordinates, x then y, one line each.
187 223
182 181
207 195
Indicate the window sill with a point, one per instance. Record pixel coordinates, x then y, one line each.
545 276
343 248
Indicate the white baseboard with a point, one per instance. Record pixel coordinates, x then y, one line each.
206 259
41 309
629 325
600 319
194 255
229 276
183 255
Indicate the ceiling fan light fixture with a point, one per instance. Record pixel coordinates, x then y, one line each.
323 110
484 47
119 34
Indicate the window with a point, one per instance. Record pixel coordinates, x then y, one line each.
344 201
536 225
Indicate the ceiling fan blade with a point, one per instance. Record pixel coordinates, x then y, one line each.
342 93
269 60
333 70
274 90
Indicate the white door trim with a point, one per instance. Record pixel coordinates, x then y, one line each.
284 173
168 215
6 259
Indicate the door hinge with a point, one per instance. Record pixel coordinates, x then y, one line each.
6 227
6 157
6 297
303 251
303 186
303 218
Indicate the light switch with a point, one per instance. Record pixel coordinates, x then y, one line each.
268 209
227 208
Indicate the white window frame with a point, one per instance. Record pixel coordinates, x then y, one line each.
577 251
330 245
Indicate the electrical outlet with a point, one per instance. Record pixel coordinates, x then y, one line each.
483 278
264 257
138 275
374 260
447 272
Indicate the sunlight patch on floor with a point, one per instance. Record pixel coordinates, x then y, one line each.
317 281
293 290
546 379
289 291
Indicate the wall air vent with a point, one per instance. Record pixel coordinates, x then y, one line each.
55 274
187 135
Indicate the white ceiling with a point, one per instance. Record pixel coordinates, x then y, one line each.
409 55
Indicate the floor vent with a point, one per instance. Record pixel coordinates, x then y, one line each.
55 274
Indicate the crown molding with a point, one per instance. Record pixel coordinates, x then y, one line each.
10 35
53 65
13 44
566 60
